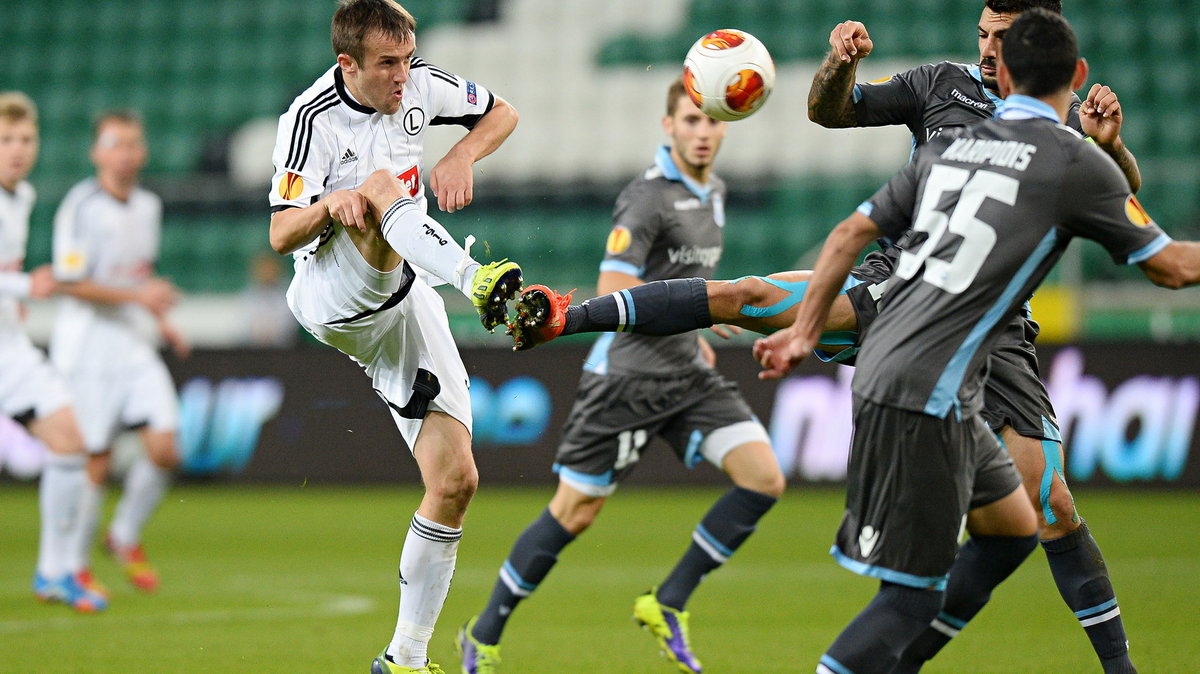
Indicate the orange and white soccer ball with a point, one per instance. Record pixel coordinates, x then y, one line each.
728 74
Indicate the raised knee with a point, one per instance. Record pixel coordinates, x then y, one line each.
771 484
457 489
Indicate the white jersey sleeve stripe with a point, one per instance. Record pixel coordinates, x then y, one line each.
303 127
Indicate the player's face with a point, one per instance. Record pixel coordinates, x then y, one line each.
18 151
695 137
120 149
992 27
379 80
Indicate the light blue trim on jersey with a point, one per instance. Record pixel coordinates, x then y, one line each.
1019 106
663 160
835 666
602 480
631 313
712 540
516 577
891 576
622 267
866 208
1050 450
1101 608
692 455
1149 250
973 70
945 392
597 359
856 94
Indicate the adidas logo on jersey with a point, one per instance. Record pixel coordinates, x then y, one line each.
348 157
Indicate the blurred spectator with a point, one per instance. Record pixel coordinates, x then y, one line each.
269 322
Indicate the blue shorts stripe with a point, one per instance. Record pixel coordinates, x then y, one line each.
584 478
1096 609
692 456
890 575
834 665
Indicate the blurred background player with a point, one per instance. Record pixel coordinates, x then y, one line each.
350 204
929 99
30 390
922 450
668 223
106 240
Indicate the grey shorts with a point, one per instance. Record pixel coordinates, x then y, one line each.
911 481
700 415
1015 395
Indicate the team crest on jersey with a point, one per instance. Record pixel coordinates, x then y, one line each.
414 121
472 95
72 262
291 186
1136 214
618 241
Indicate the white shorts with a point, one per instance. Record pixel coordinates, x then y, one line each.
30 388
392 323
111 397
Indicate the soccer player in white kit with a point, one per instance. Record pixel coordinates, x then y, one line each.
30 390
106 239
349 204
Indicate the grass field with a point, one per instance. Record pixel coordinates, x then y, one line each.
303 580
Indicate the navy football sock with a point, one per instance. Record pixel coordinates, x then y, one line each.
533 555
873 641
983 562
657 308
728 523
1082 578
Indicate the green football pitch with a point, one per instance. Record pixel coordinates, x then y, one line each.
258 579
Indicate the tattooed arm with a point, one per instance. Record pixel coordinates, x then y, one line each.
829 98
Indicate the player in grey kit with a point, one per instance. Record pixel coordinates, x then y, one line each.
994 206
668 223
929 100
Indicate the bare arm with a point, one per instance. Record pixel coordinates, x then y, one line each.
451 179
1176 266
291 228
157 295
612 281
829 98
782 351
1101 118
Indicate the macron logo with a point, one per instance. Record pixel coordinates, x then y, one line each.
348 157
867 539
969 101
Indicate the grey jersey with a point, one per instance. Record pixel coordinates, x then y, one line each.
932 98
993 207
665 226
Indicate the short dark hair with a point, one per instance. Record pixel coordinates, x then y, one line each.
674 92
121 115
354 20
1018 6
17 107
1040 53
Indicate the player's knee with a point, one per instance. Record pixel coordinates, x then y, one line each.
769 483
1062 504
457 488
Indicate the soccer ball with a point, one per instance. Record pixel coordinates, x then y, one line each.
728 74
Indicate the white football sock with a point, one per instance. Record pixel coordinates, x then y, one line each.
426 567
424 243
144 488
79 552
58 498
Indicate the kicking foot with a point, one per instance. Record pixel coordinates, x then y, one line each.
541 316
492 286
670 628
384 665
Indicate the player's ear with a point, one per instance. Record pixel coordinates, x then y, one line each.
1081 73
347 63
667 124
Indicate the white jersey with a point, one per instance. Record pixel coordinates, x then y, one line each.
100 238
327 141
15 208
